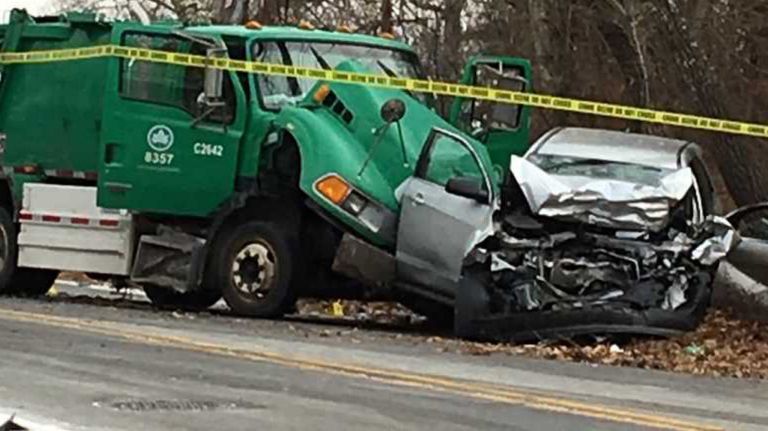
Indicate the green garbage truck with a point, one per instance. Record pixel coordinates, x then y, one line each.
198 183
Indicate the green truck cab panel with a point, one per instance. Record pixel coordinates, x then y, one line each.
162 150
503 128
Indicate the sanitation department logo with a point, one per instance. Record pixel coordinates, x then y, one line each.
160 138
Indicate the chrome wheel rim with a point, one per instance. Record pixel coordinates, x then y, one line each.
253 270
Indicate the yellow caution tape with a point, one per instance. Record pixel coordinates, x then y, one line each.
383 81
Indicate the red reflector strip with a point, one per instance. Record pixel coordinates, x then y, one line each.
80 221
25 216
51 218
109 223
25 169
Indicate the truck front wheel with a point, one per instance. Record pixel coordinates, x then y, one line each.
255 267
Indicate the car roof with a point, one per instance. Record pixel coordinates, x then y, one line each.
614 146
298 34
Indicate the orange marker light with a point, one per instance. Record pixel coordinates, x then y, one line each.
344 28
306 25
334 188
253 25
321 93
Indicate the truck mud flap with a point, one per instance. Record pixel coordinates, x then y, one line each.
475 320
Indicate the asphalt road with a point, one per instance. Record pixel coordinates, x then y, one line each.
123 366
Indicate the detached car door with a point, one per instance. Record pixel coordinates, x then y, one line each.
446 207
504 128
751 254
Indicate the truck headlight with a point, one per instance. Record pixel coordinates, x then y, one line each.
338 191
355 203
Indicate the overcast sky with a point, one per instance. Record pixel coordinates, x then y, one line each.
33 6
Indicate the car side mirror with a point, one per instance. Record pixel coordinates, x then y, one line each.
470 188
214 78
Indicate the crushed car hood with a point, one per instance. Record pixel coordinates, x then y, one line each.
601 202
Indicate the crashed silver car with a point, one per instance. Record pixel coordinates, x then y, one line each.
597 232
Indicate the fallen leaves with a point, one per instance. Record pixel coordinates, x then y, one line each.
723 346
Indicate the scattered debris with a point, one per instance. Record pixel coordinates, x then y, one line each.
388 313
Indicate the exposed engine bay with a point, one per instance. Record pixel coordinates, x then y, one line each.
560 275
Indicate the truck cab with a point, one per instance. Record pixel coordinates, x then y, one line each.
261 184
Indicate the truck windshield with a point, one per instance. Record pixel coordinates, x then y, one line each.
279 91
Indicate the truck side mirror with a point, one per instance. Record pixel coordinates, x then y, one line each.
214 78
393 111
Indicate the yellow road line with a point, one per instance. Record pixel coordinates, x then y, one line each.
435 383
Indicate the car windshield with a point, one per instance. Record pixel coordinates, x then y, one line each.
279 91
599 169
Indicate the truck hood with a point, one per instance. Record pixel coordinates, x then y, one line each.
601 202
354 136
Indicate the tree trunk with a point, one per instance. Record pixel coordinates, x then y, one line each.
386 17
230 11
452 39
742 164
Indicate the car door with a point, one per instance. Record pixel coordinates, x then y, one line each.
441 219
503 127
163 149
751 254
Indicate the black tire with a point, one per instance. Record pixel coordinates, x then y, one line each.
260 285
14 280
31 282
168 299
8 252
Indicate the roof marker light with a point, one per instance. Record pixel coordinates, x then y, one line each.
322 93
306 25
253 25
344 28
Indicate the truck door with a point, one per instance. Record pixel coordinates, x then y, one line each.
446 208
164 150
503 127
